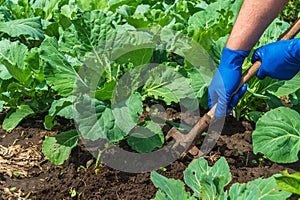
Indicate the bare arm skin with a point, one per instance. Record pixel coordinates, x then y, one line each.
254 17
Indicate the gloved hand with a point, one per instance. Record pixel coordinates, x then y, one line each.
225 82
280 59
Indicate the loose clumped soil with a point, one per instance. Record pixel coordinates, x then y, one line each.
24 171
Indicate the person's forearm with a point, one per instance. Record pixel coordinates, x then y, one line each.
254 17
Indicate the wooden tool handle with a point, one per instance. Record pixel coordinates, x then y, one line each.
287 35
291 32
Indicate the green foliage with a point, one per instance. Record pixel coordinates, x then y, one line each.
295 99
168 85
283 88
58 148
90 30
215 22
62 107
93 61
260 188
12 56
96 120
291 12
30 27
22 78
59 73
92 4
277 135
169 188
146 138
289 182
129 110
209 182
14 117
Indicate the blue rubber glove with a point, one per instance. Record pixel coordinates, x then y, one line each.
280 59
225 82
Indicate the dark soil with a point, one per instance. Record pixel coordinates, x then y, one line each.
47 181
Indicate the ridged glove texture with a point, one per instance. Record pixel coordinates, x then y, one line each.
280 59
225 82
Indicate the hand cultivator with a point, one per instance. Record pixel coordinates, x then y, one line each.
187 141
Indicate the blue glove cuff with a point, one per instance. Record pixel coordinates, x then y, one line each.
234 58
294 49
